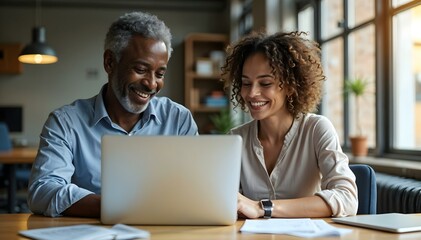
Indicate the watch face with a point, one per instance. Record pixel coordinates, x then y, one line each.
267 206
266 203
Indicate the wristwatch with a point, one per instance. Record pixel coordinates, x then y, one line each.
267 206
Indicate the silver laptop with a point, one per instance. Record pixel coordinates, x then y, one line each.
170 180
391 222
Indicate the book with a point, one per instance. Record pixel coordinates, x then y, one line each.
216 101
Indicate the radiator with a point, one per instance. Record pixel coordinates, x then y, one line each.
398 194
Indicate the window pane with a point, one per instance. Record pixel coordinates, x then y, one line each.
306 21
362 65
397 3
407 79
331 18
332 105
360 11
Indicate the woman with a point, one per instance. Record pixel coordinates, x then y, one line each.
292 162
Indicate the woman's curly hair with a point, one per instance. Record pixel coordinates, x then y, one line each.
295 62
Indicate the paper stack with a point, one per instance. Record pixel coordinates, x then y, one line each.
300 227
86 232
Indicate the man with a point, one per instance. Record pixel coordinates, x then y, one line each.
66 175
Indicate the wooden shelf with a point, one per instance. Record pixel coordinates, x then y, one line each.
195 75
199 46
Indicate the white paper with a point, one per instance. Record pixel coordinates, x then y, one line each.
323 230
86 232
301 227
126 232
278 226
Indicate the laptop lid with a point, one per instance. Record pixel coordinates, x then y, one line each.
170 180
391 222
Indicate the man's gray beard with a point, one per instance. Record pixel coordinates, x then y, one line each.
124 99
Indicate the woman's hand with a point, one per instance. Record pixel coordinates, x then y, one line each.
247 208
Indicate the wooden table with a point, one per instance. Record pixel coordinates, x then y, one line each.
11 224
11 159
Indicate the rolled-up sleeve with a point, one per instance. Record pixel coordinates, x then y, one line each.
50 188
338 185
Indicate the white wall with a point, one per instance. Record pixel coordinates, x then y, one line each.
77 36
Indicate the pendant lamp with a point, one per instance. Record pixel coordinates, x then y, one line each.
38 52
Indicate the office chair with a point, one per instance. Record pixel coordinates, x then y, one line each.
22 173
5 145
5 142
367 188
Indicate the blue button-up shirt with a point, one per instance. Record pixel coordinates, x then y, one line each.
68 165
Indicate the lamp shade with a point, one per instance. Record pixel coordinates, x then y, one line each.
38 52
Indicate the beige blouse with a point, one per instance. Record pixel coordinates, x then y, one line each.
311 162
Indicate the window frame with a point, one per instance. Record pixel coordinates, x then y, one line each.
383 17
390 152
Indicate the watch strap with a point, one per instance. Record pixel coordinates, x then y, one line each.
267 207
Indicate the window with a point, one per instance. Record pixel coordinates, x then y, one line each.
348 52
332 104
407 79
332 17
361 64
360 12
397 3
306 21
379 41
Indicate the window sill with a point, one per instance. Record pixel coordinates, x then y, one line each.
403 168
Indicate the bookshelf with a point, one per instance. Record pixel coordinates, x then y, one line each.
204 94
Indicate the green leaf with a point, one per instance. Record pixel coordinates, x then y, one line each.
223 121
358 86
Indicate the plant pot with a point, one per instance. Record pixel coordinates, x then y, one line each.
359 146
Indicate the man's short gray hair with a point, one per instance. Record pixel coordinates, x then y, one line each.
136 23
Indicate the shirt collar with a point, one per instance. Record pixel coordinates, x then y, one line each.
288 137
100 112
150 112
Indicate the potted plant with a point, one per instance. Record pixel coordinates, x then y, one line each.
357 87
223 122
